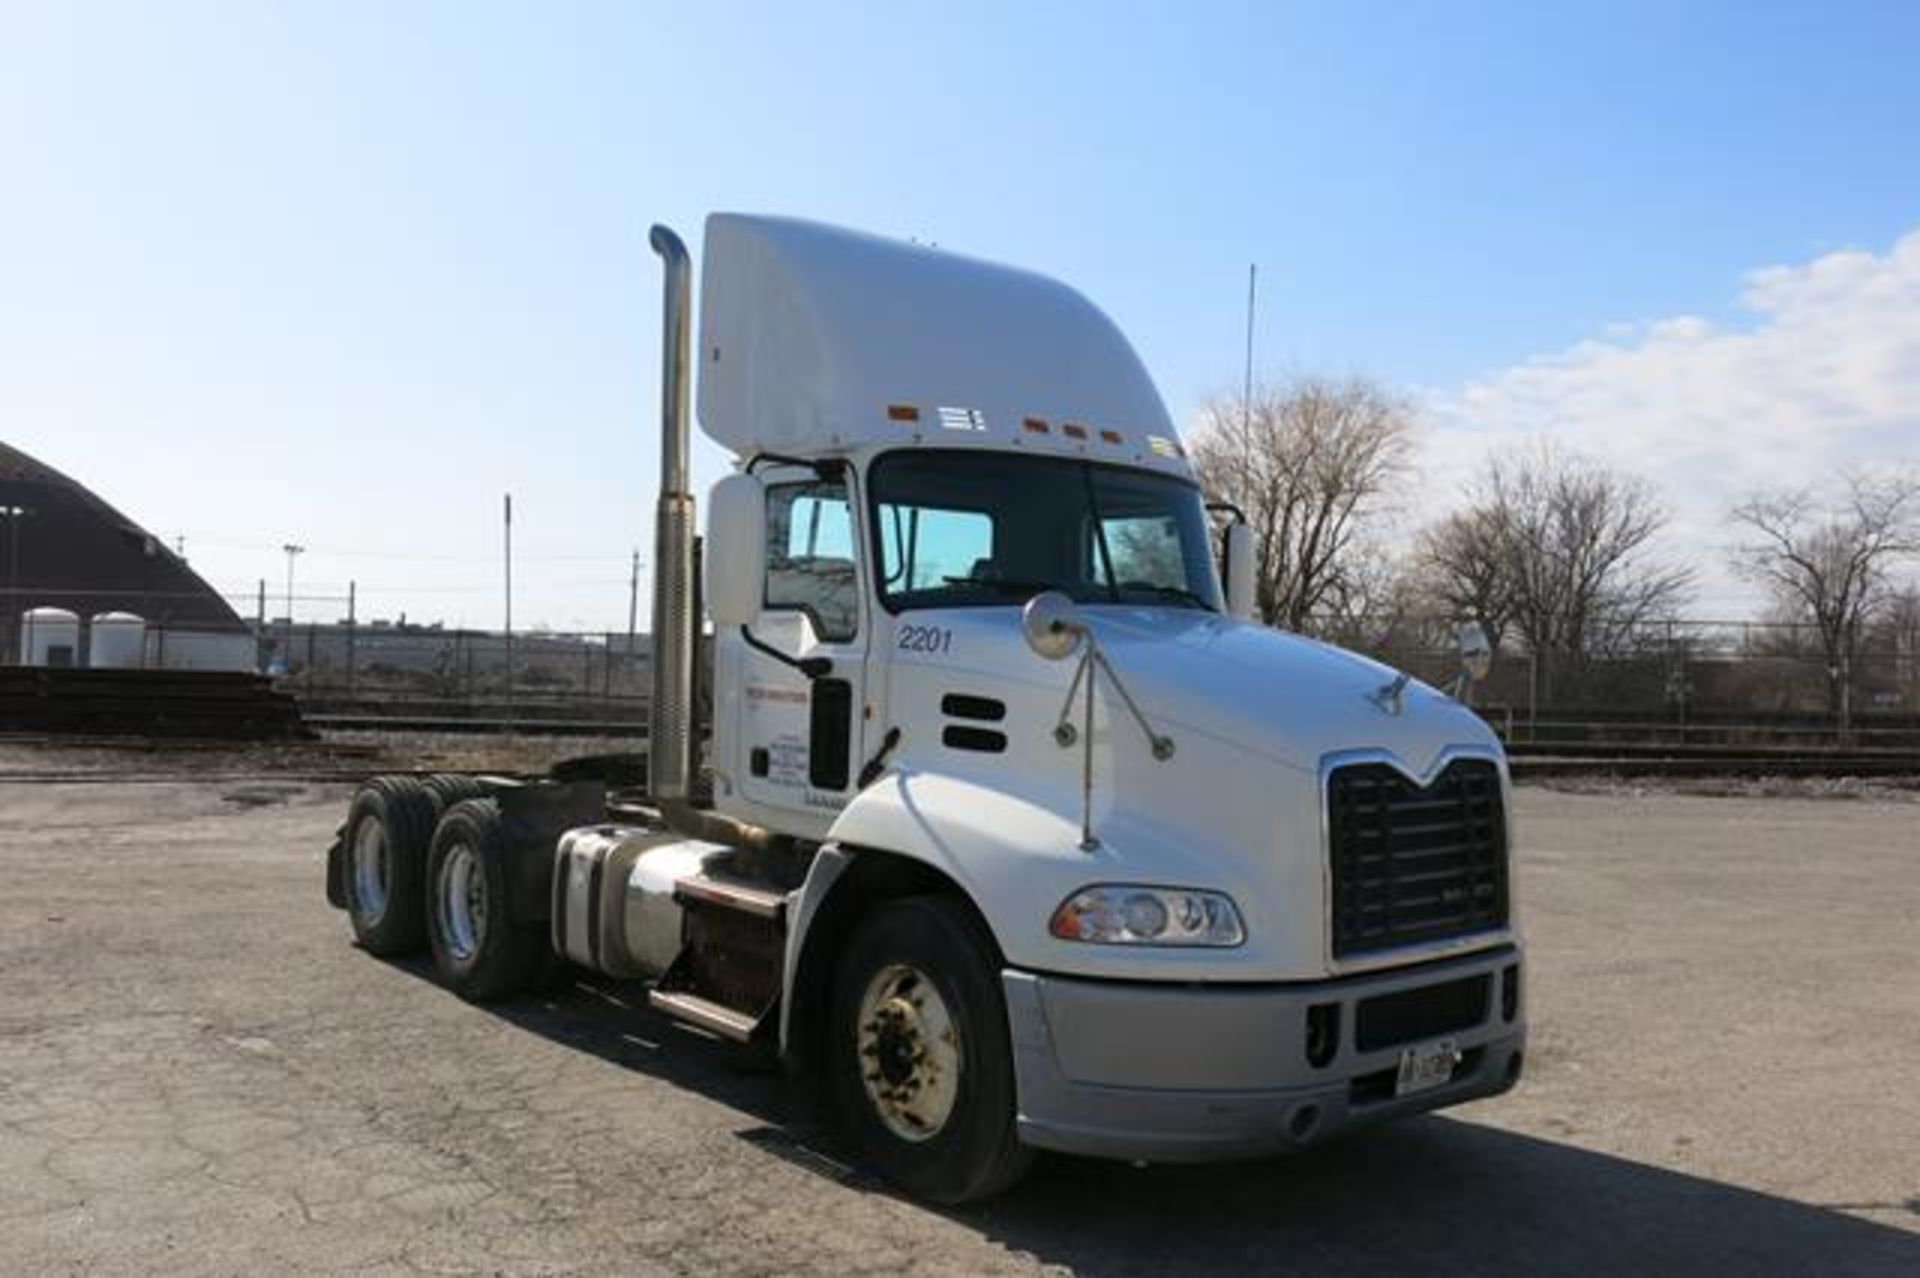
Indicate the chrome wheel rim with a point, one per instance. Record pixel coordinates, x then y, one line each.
463 902
370 872
909 1052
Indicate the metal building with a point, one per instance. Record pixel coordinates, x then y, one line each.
63 547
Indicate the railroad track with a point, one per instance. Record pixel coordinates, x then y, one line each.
1542 762
531 725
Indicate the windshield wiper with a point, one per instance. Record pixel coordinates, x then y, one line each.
1169 592
1005 585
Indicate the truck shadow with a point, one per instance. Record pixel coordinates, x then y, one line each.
1433 1194
1428 1194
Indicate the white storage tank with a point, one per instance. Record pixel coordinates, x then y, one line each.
119 642
49 637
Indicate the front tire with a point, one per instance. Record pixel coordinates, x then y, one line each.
480 951
920 1060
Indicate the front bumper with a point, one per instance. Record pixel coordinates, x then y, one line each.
1190 1073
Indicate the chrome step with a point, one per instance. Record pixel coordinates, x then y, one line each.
705 1013
731 894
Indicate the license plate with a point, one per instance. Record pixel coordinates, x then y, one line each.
1426 1066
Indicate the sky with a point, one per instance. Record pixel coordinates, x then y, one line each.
341 274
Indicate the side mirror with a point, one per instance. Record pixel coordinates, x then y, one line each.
1052 625
736 552
1476 659
1476 654
1239 571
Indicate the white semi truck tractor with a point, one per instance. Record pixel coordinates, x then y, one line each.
1012 832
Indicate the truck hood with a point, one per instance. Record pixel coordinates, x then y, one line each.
1289 698
1254 715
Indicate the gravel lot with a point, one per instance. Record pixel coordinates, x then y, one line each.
198 1073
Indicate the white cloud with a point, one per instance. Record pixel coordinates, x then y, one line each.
1825 373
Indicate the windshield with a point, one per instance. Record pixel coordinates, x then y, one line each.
966 528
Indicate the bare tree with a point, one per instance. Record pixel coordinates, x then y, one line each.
1465 571
1900 622
1310 463
1553 550
1371 605
1577 538
1827 563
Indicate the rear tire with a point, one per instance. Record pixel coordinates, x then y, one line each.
384 855
919 1061
449 788
480 951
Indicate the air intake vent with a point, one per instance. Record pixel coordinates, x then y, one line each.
962 706
984 740
1412 865
1428 1012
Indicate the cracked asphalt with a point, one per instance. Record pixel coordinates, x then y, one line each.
200 1074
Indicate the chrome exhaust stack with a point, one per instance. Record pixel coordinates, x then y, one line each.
675 628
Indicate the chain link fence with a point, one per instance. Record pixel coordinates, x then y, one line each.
346 662
427 664
1683 681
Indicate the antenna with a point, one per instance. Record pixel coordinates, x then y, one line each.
1246 394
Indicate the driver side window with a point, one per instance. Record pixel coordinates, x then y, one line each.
810 556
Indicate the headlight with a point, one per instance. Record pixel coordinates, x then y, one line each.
1134 914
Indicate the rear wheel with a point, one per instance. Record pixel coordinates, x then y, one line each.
920 1060
384 849
449 788
479 951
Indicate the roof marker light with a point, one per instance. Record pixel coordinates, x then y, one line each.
1111 436
1034 426
1072 431
902 413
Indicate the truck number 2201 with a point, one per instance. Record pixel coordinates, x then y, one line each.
925 639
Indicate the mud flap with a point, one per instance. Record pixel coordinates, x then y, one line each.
337 870
533 817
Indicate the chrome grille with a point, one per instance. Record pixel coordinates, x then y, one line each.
1413 864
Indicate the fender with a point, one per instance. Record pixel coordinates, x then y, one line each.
895 839
1012 847
803 908
999 847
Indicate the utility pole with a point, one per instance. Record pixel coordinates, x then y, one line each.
633 603
1246 392
293 552
506 516
353 589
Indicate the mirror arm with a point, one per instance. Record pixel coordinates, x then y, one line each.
1227 508
822 467
811 667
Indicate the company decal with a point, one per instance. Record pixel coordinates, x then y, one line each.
930 639
787 763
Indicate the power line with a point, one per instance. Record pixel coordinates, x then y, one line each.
329 552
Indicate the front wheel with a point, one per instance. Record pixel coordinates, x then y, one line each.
921 1062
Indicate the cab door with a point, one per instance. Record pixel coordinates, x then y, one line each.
800 732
